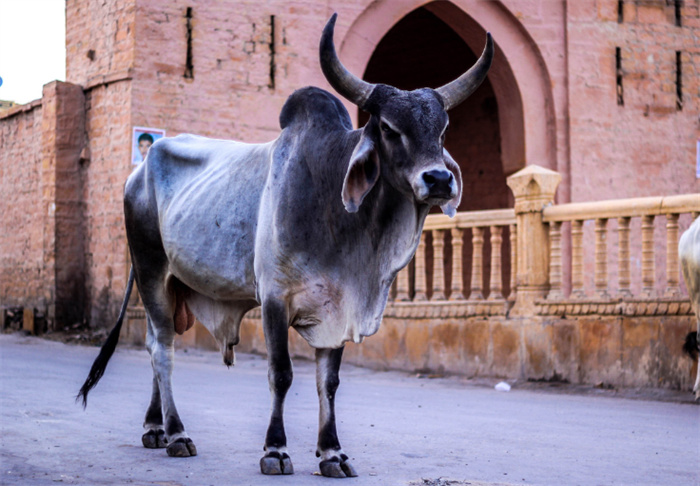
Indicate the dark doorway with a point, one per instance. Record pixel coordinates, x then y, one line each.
422 51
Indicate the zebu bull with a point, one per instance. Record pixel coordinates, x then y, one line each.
689 254
313 227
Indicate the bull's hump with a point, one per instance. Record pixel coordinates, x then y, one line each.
313 105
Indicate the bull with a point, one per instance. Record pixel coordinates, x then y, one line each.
689 254
313 227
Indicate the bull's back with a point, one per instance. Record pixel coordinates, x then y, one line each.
203 195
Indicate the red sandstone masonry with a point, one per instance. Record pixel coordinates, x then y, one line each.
135 77
22 269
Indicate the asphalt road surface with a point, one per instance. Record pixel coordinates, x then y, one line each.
396 428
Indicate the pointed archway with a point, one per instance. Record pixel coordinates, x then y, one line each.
422 51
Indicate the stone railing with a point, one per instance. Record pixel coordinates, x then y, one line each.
433 285
649 299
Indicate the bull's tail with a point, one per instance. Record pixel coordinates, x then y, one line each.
691 345
100 364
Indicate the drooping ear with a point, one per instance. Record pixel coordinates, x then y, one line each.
450 207
363 172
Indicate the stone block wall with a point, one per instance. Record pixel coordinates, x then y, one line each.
594 350
108 127
42 245
643 144
22 208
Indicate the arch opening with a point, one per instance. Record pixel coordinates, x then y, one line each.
421 50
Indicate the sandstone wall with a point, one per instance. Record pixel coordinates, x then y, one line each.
22 209
42 241
647 145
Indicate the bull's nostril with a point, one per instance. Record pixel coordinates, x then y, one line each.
438 182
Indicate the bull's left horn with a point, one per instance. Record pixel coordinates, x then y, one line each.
460 89
342 80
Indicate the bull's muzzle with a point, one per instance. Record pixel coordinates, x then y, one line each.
437 184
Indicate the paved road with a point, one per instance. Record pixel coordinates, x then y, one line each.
397 429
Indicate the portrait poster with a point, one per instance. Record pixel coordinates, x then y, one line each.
141 141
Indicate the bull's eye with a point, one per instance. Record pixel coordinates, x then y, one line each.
444 133
388 131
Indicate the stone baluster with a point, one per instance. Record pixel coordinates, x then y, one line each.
402 285
648 268
601 258
533 188
513 261
623 257
672 270
496 287
438 265
477 264
555 292
457 290
577 283
420 271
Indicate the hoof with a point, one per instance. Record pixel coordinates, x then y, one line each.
182 448
154 439
274 463
337 468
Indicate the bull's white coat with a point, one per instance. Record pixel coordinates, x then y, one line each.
689 254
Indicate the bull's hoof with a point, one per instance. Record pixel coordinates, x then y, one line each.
154 439
337 467
275 463
183 447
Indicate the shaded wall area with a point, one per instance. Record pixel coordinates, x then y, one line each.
42 247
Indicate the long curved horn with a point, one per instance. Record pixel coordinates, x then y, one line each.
342 80
459 90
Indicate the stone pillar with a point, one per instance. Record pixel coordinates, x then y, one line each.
534 188
63 139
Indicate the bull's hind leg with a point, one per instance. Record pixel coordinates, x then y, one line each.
334 462
162 414
162 353
276 459
154 437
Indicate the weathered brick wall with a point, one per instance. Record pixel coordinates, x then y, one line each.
647 145
108 126
21 208
42 241
226 68
99 38
100 56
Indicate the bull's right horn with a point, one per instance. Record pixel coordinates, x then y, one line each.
460 89
343 81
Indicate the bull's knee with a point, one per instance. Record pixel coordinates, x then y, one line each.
281 379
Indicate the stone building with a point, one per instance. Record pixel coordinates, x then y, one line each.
603 92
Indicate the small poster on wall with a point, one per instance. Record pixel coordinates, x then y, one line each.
142 140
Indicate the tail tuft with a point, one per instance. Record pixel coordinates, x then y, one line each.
100 364
690 347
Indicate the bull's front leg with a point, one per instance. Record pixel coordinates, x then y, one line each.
276 459
334 462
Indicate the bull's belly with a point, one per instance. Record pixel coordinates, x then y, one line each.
221 281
